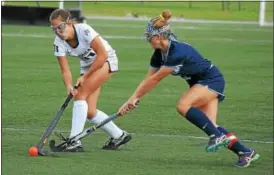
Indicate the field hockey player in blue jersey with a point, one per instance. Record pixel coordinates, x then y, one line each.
199 104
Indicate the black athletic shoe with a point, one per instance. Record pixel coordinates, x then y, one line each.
114 144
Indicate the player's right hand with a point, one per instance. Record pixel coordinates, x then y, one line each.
131 104
71 90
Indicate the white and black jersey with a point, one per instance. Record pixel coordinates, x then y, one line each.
84 35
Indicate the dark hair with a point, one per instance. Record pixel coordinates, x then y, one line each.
162 19
64 14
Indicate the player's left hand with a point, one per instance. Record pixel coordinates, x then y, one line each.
81 80
128 106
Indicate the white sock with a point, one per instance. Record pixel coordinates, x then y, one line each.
109 128
79 116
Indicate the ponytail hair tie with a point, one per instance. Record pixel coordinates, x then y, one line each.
161 16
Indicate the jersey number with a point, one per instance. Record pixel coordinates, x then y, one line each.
55 48
90 55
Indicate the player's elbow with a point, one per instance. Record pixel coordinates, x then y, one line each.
157 78
66 73
154 80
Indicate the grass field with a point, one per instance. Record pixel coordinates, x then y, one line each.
164 143
249 11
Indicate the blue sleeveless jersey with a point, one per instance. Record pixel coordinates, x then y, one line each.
188 63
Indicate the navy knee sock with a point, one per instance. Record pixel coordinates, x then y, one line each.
199 119
236 146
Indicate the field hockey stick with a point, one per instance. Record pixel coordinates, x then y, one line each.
52 125
60 147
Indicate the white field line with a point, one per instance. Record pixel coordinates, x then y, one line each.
144 18
139 38
145 135
178 20
184 27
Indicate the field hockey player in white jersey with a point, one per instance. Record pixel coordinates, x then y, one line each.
98 62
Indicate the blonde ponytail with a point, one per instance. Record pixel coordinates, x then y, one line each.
166 14
162 19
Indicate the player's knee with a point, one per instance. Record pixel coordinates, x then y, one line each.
81 96
183 107
91 113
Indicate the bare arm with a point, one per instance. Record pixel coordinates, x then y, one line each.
152 79
65 70
151 72
101 56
